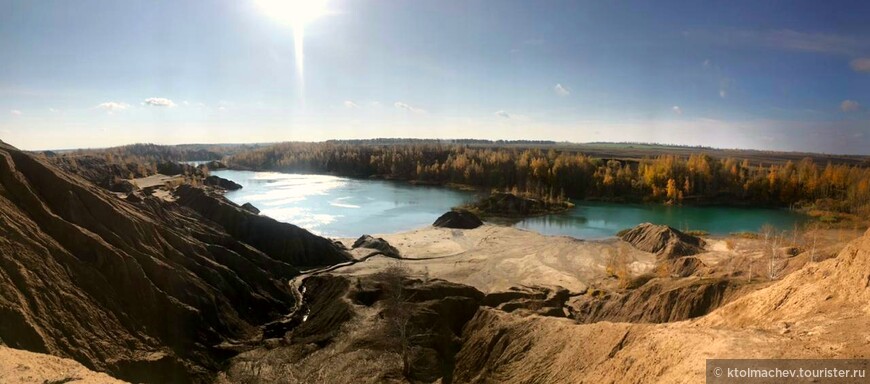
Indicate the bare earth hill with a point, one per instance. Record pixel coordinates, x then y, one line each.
819 311
144 290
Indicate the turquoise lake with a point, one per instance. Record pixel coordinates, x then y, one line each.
343 207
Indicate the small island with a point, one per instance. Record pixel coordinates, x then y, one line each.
517 205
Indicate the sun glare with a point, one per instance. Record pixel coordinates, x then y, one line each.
297 14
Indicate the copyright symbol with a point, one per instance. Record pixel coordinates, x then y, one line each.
717 372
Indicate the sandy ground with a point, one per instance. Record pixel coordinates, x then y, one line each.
153 180
494 258
17 366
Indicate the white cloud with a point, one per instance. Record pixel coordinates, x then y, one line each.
707 63
861 64
15 112
561 90
52 110
849 106
723 93
158 102
503 114
407 107
112 106
677 109
350 104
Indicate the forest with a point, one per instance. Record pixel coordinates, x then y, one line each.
696 178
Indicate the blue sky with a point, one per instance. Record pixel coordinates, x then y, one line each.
787 75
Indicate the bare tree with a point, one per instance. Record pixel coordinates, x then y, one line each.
773 240
815 231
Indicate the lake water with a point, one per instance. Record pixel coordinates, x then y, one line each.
599 220
343 207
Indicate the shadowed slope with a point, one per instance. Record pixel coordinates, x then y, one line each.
142 290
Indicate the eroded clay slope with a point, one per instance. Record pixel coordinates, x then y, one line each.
820 311
141 290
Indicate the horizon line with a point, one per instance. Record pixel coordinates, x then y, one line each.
459 141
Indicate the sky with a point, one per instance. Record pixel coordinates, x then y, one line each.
782 75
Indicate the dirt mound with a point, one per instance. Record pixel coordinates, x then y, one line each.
664 241
376 243
141 290
459 220
17 366
220 182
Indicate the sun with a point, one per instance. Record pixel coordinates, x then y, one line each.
297 14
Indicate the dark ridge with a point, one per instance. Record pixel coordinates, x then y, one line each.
141 290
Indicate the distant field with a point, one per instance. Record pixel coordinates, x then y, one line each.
634 151
639 151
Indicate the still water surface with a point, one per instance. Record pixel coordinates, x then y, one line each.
343 207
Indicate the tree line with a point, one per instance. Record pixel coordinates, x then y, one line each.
550 172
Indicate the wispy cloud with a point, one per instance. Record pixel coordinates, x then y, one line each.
849 106
861 64
159 102
112 106
561 90
503 114
350 104
409 108
15 112
677 109
787 39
